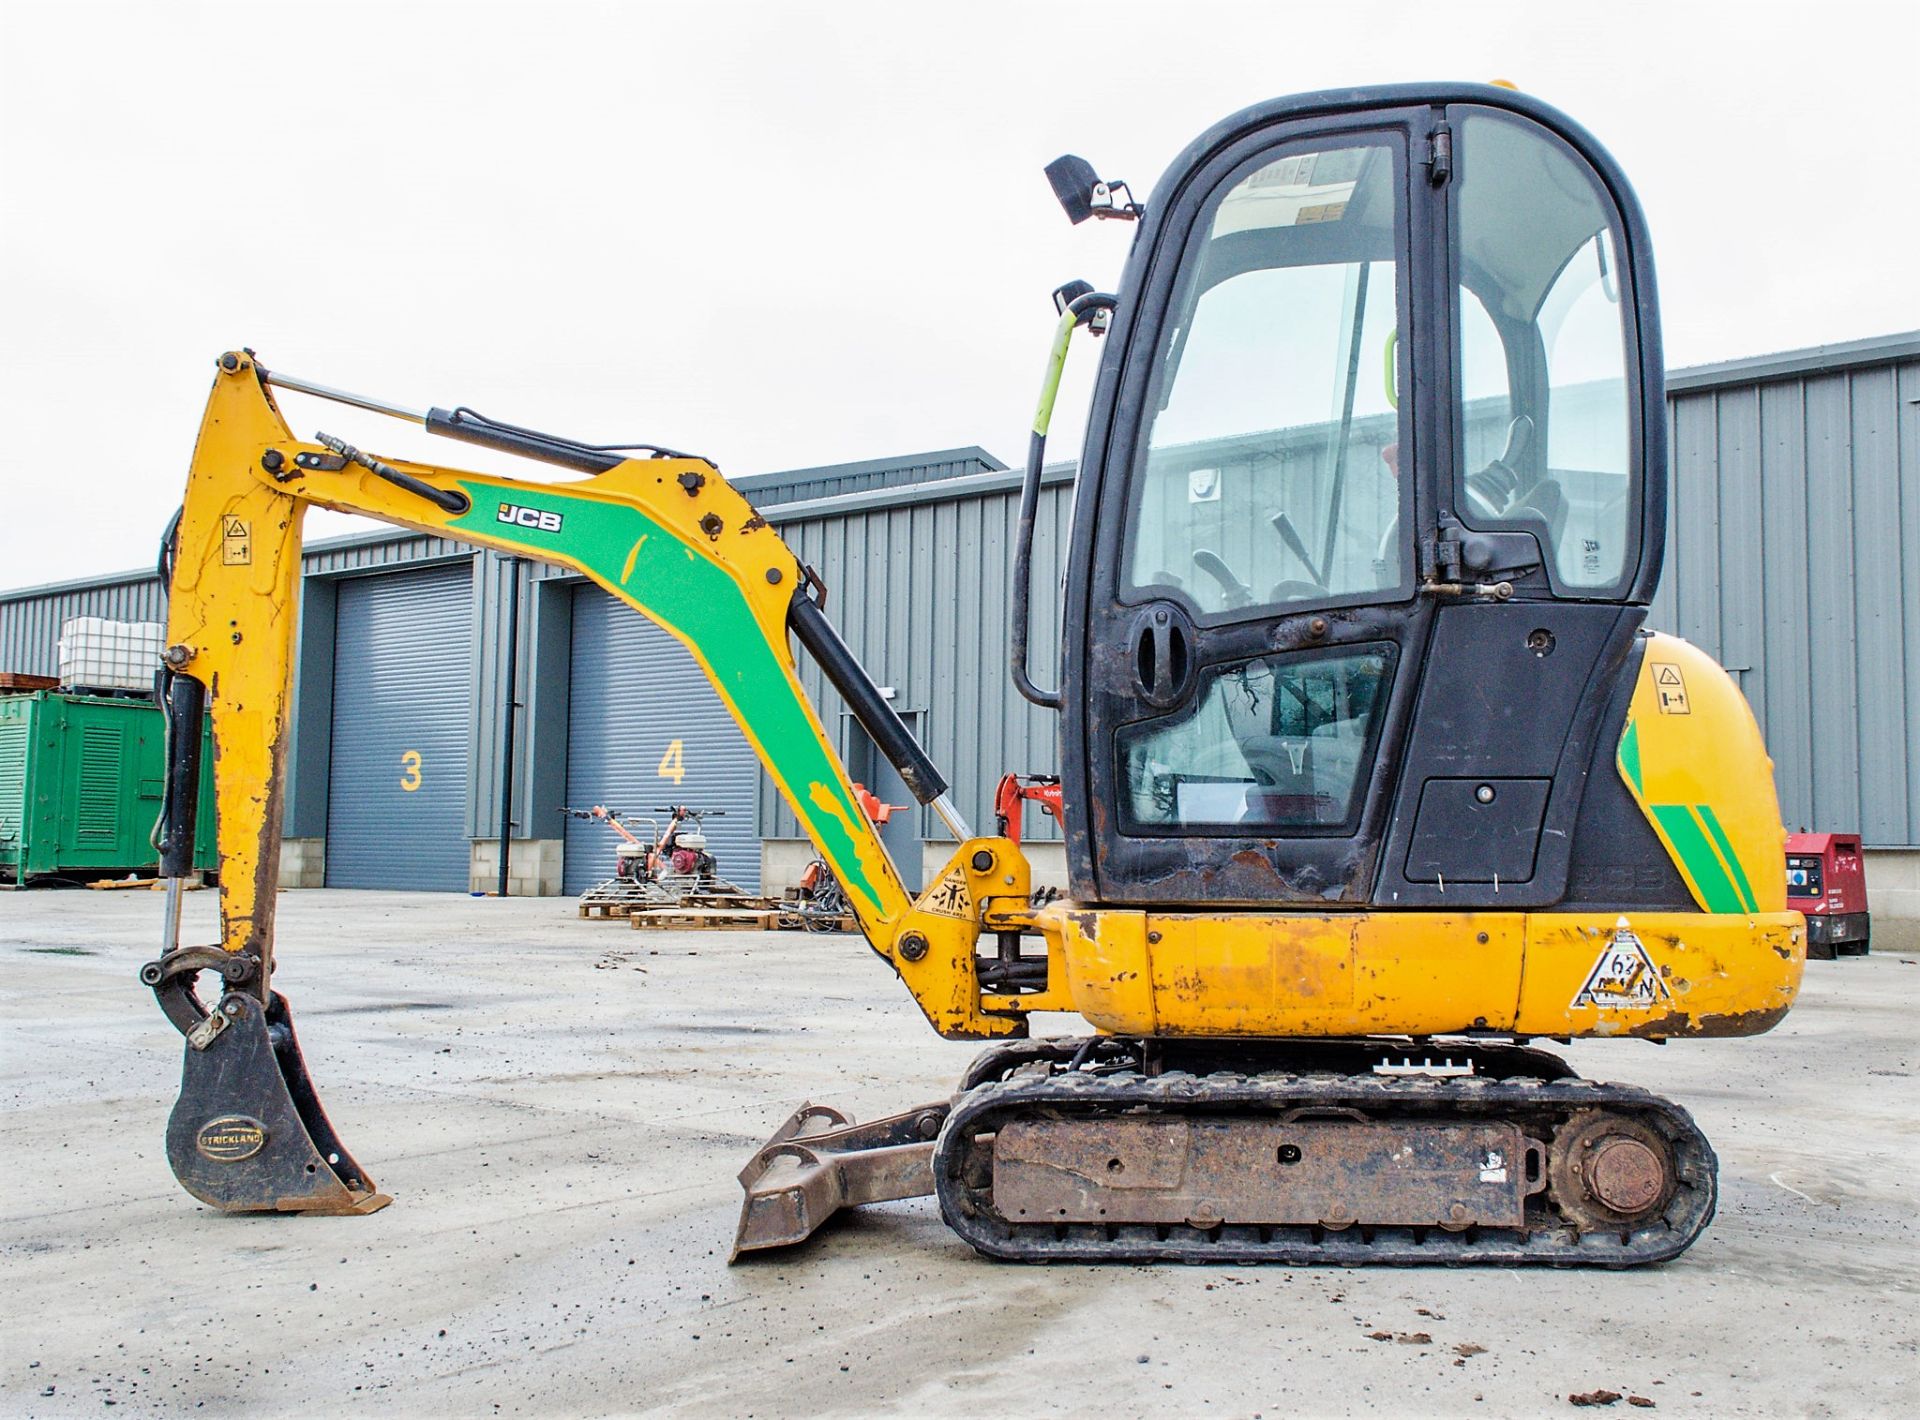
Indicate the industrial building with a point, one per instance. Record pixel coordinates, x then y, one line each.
1793 557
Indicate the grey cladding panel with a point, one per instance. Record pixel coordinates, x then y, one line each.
402 685
30 625
30 621
920 594
635 690
1793 557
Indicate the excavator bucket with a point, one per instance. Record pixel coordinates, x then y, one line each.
248 1133
820 1161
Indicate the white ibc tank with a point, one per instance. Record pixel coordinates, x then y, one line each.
97 654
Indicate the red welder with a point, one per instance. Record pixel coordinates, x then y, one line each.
1826 883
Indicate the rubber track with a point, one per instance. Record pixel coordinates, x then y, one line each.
1537 1106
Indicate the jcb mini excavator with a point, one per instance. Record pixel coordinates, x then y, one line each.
1370 775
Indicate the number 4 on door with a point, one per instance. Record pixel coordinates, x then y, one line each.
671 765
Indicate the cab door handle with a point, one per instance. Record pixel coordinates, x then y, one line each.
1162 656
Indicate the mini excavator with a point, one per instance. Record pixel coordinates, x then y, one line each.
1371 777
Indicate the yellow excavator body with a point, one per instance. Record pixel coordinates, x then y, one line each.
1435 789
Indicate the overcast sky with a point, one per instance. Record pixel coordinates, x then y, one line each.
785 234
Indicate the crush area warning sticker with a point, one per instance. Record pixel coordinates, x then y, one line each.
1624 977
950 897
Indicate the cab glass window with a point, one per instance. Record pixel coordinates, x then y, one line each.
1275 744
1544 407
1269 469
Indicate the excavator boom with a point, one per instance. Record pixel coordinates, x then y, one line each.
666 535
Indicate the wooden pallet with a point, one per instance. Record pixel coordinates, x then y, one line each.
598 904
705 919
192 884
607 909
738 912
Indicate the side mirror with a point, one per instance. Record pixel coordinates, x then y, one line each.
1073 181
1083 194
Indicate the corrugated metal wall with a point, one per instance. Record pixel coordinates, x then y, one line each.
378 552
918 587
30 625
1793 556
30 620
636 692
766 490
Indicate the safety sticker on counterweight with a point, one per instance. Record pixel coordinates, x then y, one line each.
1671 688
1624 978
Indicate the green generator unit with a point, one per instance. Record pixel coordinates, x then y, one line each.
80 785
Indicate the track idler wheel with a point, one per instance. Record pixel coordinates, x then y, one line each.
247 1133
1608 1171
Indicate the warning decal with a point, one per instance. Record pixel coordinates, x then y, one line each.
1624 978
236 542
950 898
1671 689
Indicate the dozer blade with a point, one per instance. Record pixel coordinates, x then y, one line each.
820 1161
247 1133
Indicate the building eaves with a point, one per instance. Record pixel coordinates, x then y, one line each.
906 469
941 490
1814 359
316 549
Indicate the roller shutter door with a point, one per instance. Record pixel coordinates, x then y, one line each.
636 691
402 676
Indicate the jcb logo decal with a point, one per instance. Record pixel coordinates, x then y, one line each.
521 517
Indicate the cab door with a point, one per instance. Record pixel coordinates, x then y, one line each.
1252 616
1370 509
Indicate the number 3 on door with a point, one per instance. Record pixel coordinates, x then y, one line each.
410 765
671 766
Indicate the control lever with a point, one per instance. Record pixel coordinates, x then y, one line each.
1290 535
1238 593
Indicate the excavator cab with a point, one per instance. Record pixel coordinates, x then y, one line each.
1370 509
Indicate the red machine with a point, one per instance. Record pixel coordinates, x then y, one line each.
1827 884
1011 796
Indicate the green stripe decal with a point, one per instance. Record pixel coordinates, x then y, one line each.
1710 880
650 568
1630 757
1712 821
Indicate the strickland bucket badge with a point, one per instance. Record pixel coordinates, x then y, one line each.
1624 978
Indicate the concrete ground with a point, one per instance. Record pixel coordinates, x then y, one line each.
558 1108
